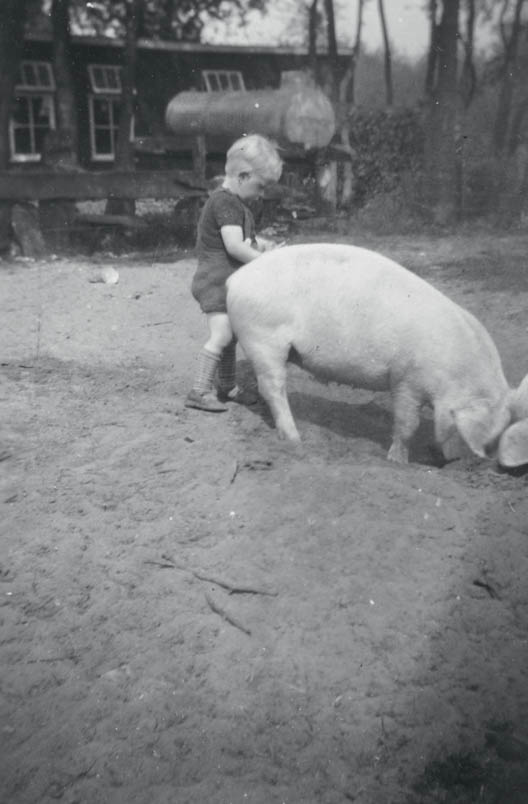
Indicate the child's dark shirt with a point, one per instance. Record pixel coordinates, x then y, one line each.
222 208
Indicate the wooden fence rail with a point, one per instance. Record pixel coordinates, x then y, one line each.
46 185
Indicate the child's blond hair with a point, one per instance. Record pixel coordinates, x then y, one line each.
254 153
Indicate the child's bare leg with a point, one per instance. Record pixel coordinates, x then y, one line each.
220 333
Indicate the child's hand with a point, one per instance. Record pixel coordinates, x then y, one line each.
268 245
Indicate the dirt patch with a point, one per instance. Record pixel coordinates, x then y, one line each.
189 613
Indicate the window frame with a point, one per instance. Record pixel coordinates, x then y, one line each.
113 96
96 88
38 87
112 127
44 91
208 76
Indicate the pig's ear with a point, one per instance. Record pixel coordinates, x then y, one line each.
513 445
475 425
519 399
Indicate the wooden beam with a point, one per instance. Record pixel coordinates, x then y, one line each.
45 185
124 221
170 144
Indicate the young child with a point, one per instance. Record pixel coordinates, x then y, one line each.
226 240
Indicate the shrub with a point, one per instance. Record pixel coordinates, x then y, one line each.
386 144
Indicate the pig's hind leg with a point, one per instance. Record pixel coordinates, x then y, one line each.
269 357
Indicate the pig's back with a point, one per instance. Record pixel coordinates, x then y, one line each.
329 276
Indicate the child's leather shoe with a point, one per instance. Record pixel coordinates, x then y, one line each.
204 401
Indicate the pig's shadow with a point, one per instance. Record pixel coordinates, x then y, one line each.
370 421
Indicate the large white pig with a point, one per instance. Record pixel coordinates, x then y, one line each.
352 316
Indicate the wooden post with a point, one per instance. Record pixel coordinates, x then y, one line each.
326 182
58 215
199 157
26 228
199 161
124 147
12 18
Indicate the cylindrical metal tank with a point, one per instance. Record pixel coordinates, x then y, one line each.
291 116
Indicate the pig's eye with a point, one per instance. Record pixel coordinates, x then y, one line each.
491 447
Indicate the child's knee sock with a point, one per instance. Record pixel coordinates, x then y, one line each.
205 371
227 368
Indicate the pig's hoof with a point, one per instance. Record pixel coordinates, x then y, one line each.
293 447
291 435
453 447
398 454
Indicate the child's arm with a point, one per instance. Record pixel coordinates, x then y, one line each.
236 246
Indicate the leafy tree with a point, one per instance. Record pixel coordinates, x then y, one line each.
180 20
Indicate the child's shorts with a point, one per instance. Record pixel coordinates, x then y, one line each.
211 296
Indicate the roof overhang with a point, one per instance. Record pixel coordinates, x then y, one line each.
180 47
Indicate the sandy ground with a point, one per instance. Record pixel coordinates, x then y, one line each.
191 614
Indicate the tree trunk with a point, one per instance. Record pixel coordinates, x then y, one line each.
517 124
327 173
332 50
347 85
346 104
433 49
468 79
509 80
312 39
442 169
124 147
61 145
62 66
12 17
387 61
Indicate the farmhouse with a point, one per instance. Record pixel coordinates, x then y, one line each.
164 70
